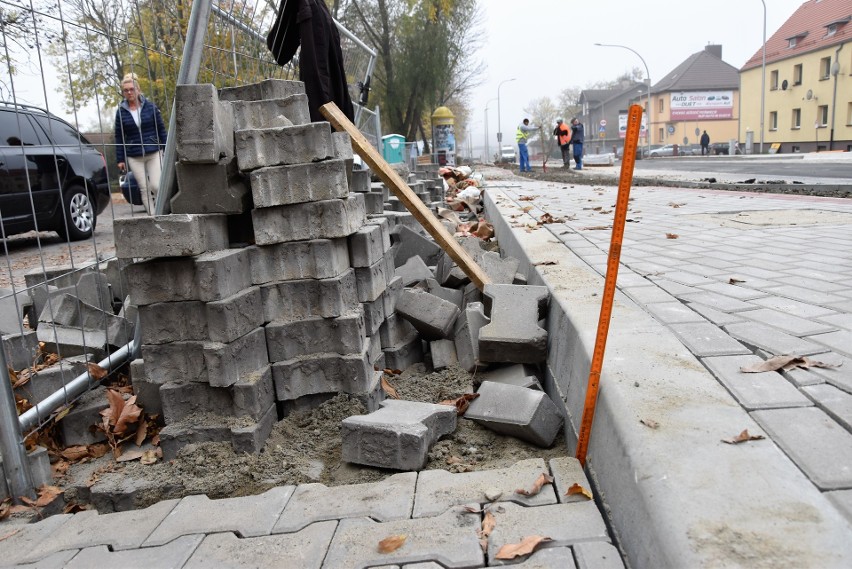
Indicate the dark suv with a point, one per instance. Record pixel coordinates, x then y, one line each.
51 177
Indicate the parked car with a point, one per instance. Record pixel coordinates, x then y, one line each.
720 148
51 177
507 155
130 189
668 150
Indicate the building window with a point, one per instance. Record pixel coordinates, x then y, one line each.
662 105
849 114
795 148
825 68
773 80
660 134
773 120
797 118
822 115
831 30
797 74
791 42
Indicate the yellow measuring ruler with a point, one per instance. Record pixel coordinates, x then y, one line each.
628 161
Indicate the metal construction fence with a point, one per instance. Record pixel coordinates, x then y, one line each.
65 322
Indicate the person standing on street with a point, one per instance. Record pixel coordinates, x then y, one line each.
563 138
578 136
140 138
521 137
705 143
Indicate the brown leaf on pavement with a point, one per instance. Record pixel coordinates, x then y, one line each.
392 543
526 546
96 372
545 263
732 280
129 456
786 362
461 403
129 415
650 423
46 495
98 450
389 389
141 431
577 489
527 198
75 453
676 205
116 405
743 437
596 228
672 235
542 479
489 522
547 218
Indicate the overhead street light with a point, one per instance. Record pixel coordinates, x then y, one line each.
487 146
499 125
648 73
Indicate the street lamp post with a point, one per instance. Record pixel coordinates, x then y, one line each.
499 125
648 73
487 146
763 78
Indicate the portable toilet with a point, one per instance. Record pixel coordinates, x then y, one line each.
393 148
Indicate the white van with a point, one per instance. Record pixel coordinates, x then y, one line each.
507 154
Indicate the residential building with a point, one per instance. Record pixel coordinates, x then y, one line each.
601 111
808 89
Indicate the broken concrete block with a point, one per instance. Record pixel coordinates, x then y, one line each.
448 273
251 396
147 392
342 335
72 341
397 436
178 235
21 349
211 188
522 375
374 316
46 381
299 183
205 131
266 89
296 144
411 243
513 335
77 427
443 354
369 244
396 330
404 354
471 294
391 295
516 411
315 259
433 317
449 294
93 289
413 271
305 298
466 335
268 113
70 312
321 373
325 219
499 270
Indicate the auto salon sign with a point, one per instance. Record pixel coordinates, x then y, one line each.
702 105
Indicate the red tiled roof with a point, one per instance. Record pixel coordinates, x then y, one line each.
808 23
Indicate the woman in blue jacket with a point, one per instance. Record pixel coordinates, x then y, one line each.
140 137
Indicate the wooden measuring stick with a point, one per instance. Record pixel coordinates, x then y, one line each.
406 195
628 161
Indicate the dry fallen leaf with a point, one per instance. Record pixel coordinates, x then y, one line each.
525 547
735 281
537 485
676 205
129 415
96 372
75 453
527 198
743 437
650 423
672 235
392 543
461 404
577 489
129 456
389 389
489 522
545 263
595 228
786 362
46 495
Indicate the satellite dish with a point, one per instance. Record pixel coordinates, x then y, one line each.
784 85
809 95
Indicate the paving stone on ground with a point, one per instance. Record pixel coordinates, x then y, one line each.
527 414
788 323
302 550
647 294
59 560
838 376
172 555
772 339
802 377
716 300
449 539
843 500
804 294
384 501
673 312
566 472
551 558
838 320
439 490
248 515
734 291
22 540
717 317
597 555
704 339
794 307
765 390
840 341
837 403
814 441
673 288
565 524
687 278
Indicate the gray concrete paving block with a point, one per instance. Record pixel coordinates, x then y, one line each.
303 298
840 341
404 354
566 472
372 281
78 426
765 390
360 181
374 203
297 144
205 130
248 516
20 349
716 317
57 560
395 331
369 244
23 539
597 555
251 397
413 271
45 381
388 500
794 307
705 339
772 339
788 323
843 321
466 335
211 188
178 235
837 403
439 490
815 442
411 243
207 277
647 294
299 183
513 335
266 89
342 335
286 111
843 500
471 293
522 375
673 312
839 376
552 558
374 317
169 556
397 436
443 354
686 278
326 219
733 291
565 524
391 295
430 315
449 540
72 341
805 294
449 294
94 289
516 411
321 373
316 259
499 270
716 300
304 550
215 363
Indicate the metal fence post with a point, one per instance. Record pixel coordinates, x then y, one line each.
15 463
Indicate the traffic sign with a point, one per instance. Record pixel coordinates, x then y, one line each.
603 122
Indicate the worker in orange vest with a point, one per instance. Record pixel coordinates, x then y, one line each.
563 137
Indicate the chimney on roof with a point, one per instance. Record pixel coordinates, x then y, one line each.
714 49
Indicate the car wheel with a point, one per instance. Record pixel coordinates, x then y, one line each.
78 219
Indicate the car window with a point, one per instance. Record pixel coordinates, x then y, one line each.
17 130
62 133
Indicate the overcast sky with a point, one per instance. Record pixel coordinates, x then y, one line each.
548 45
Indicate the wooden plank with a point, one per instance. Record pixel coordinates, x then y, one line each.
405 194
